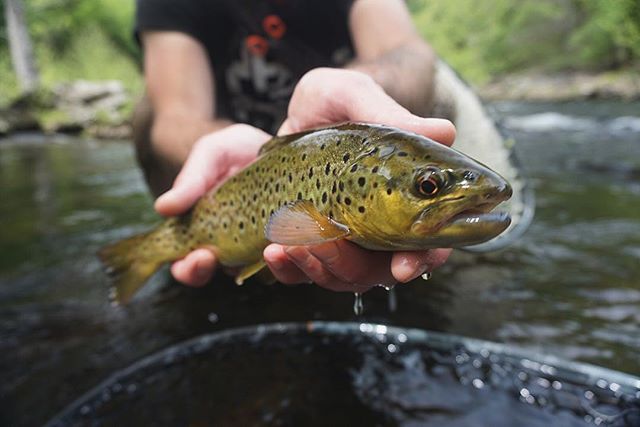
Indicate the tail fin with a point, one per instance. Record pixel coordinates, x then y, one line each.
130 264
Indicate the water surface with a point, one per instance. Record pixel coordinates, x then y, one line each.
570 287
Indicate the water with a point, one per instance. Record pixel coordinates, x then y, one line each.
382 376
570 287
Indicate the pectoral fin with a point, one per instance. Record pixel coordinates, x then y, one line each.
301 224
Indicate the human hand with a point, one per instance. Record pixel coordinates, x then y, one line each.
213 158
325 96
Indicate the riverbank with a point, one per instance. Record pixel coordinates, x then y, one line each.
560 87
103 109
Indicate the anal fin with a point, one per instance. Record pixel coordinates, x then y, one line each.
248 271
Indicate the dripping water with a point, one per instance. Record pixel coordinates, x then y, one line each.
358 306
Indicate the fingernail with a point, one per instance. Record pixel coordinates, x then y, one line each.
412 270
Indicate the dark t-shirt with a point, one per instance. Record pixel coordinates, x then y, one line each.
259 49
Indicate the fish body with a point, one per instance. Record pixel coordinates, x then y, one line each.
380 187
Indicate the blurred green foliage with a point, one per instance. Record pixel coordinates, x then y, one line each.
485 38
92 39
77 39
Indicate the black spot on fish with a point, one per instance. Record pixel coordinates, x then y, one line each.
346 157
304 157
241 225
354 168
299 196
365 141
324 197
334 188
290 177
361 209
224 225
277 187
375 185
318 184
322 146
361 181
310 173
255 197
402 154
347 201
263 213
331 214
341 186
253 219
338 198
389 191
327 169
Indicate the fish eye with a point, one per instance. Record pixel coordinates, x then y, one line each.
429 183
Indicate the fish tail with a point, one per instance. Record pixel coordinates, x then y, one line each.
132 261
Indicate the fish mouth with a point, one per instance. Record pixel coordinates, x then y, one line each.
468 226
475 225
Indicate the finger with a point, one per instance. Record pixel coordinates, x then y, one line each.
406 266
317 273
283 269
197 175
352 264
377 106
195 269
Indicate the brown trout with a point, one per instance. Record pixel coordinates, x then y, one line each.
379 187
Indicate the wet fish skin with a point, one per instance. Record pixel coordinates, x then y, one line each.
356 181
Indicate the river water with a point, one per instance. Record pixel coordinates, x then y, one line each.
570 287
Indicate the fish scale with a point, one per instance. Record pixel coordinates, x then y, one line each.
355 181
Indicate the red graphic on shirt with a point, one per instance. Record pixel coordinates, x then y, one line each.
257 45
274 26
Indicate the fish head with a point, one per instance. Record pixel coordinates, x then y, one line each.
421 194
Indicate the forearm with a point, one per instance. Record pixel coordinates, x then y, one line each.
406 73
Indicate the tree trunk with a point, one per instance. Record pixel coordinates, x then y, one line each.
24 62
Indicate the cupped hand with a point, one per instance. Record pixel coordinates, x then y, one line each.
213 158
325 96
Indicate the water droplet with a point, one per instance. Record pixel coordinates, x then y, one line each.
131 388
589 395
477 383
426 276
213 317
358 306
402 338
392 300
392 348
85 410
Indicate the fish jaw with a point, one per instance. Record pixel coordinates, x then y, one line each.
472 220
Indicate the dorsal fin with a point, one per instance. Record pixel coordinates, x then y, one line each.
279 141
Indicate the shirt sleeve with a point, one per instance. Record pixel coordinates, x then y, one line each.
185 16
